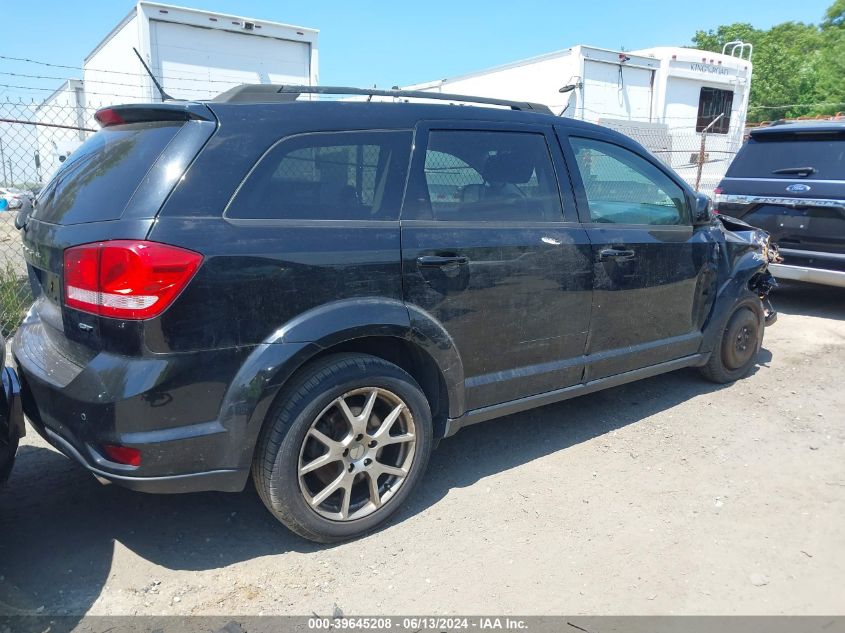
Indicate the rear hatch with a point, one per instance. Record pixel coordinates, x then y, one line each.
790 181
111 188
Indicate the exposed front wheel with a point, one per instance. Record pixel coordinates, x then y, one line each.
736 351
346 444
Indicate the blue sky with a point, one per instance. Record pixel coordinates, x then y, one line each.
387 43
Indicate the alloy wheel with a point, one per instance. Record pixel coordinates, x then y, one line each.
356 454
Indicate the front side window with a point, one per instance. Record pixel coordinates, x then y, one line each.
711 103
327 176
475 175
624 188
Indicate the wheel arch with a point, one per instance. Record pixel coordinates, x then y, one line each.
381 328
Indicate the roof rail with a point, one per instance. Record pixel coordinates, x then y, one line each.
250 93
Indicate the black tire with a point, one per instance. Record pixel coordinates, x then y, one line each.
735 353
288 429
8 448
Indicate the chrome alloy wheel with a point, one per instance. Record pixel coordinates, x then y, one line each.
357 454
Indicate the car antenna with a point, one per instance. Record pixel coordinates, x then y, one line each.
164 95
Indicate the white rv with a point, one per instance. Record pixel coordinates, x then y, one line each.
663 97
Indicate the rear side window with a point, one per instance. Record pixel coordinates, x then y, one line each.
624 188
781 156
327 176
97 181
474 175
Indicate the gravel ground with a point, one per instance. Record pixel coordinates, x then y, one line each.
668 496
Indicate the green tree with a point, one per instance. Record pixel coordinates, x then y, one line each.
799 69
834 17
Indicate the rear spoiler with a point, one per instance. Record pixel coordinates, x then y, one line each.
148 112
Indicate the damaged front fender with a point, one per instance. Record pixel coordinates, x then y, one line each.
746 253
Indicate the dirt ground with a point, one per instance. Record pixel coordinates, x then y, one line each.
668 496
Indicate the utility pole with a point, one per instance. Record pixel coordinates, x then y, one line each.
3 160
11 177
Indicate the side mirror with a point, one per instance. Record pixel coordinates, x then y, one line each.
703 210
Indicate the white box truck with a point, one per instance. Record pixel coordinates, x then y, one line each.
195 54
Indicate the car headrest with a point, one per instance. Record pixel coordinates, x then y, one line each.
507 167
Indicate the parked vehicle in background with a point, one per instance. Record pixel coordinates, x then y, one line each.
207 311
11 418
789 179
14 199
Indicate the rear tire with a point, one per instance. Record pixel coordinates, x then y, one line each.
343 448
735 353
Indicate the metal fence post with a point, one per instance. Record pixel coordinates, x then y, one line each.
703 147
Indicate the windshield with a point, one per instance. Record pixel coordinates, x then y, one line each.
99 178
825 154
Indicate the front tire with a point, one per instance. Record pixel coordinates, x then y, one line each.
344 447
735 353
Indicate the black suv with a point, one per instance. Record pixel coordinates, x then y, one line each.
314 293
789 179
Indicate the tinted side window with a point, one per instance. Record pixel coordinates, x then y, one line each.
480 175
327 176
624 188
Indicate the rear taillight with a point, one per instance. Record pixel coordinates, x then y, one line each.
717 198
123 454
126 279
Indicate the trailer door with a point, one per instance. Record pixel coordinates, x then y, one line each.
200 63
616 90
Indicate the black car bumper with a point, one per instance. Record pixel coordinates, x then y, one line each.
135 403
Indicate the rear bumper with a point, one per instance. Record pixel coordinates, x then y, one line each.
220 480
166 407
812 275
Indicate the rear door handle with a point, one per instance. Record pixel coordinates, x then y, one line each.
615 253
441 261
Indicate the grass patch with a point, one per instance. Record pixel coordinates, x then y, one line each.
15 299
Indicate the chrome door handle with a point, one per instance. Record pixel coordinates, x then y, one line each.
441 261
615 253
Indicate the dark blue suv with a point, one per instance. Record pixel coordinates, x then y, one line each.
313 293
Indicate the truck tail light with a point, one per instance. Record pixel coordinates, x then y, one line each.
126 279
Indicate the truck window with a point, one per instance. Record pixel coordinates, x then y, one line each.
711 103
624 188
496 176
327 176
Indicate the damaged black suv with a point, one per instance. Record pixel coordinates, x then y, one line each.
313 293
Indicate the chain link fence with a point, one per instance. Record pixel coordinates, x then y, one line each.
36 138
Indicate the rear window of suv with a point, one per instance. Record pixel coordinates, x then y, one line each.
761 158
97 181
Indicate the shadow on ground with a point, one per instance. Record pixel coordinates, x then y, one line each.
792 297
59 527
